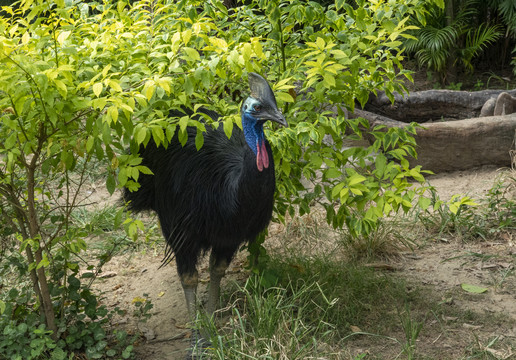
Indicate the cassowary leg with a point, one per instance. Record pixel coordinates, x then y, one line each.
189 282
218 266
198 344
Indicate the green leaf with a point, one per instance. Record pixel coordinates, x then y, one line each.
61 38
126 354
286 97
115 85
416 174
144 170
285 167
329 80
473 288
157 134
336 190
424 203
339 4
141 135
89 143
332 173
149 89
97 89
356 191
199 139
320 43
44 262
192 54
61 87
10 141
356 179
228 127
454 208
110 183
113 113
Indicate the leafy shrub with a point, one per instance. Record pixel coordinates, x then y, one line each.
468 219
82 83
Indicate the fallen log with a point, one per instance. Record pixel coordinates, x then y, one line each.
457 145
432 105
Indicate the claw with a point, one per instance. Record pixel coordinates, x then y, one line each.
198 347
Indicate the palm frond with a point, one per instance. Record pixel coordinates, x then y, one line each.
468 10
435 60
507 9
436 39
411 44
476 41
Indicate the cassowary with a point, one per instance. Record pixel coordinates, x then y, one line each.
213 199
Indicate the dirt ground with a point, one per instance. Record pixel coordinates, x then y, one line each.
441 265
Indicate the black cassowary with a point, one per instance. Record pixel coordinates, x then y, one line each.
216 198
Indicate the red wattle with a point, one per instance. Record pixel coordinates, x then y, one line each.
265 156
262 157
259 163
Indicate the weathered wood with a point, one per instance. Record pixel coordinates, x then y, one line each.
432 105
458 145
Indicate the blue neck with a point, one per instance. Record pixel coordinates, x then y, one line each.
253 131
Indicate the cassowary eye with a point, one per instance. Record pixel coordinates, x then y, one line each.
257 108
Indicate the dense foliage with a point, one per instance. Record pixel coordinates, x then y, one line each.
463 34
82 82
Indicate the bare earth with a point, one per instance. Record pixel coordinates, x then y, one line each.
441 265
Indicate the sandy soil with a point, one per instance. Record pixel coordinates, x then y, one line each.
441 265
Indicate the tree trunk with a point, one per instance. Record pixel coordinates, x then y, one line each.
432 105
457 145
42 284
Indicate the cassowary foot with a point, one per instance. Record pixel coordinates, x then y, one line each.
198 347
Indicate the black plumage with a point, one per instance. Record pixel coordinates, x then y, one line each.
215 198
211 198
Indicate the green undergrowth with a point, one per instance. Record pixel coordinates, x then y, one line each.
469 219
314 306
328 302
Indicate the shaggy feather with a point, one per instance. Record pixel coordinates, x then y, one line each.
212 198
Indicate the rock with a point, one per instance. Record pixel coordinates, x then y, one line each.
505 104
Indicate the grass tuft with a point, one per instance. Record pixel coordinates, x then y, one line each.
493 217
314 305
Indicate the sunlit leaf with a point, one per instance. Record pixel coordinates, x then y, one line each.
473 288
97 88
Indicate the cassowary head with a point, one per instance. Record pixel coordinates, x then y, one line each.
261 105
258 108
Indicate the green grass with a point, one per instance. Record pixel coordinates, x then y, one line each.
324 303
491 218
315 305
389 238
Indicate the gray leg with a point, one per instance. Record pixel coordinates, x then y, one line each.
218 268
189 282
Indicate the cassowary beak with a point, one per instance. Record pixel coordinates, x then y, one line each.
278 117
